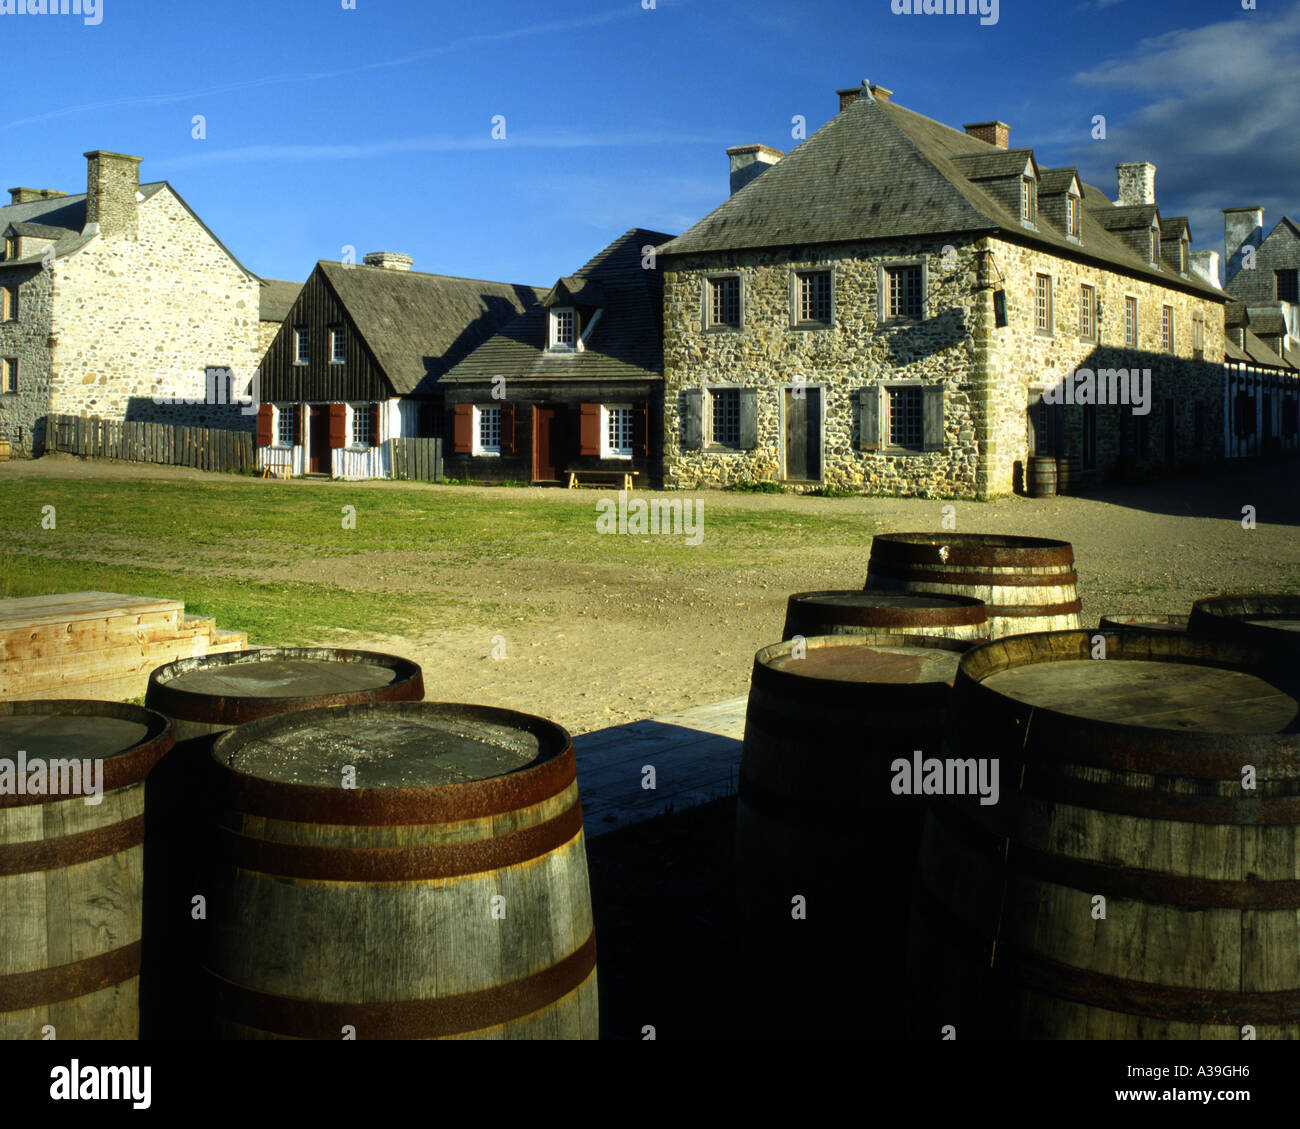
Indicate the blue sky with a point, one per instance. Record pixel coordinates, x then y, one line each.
372 127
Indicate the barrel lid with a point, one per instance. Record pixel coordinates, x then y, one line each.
1151 680
394 760
129 739
241 686
1145 621
984 549
875 658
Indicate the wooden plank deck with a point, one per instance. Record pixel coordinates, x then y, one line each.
695 754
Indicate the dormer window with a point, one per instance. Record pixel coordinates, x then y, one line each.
1028 199
1072 216
1155 246
11 247
563 329
1182 256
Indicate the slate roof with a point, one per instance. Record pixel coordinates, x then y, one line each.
419 325
626 342
1053 181
1266 320
277 298
878 170
60 218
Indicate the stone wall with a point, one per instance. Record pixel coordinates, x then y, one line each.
986 373
768 354
139 318
22 414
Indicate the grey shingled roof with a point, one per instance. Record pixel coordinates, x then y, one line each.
626 342
277 298
419 325
878 170
999 163
1126 217
1053 181
1266 320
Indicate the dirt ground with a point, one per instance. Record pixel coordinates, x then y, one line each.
616 644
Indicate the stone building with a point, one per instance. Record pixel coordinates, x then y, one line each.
119 303
901 307
574 384
1263 275
358 358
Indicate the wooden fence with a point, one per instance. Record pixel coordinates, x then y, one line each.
417 459
1261 411
170 444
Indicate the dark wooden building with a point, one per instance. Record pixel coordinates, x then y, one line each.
574 384
358 359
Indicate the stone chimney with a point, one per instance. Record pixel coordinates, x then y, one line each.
388 260
748 162
1205 265
853 93
995 133
1136 182
112 185
1241 227
27 195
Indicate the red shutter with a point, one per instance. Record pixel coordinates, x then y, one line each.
338 425
265 432
589 429
462 442
641 430
376 414
507 429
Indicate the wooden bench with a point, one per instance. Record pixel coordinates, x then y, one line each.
623 479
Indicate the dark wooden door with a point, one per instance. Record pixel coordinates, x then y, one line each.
550 434
318 440
803 435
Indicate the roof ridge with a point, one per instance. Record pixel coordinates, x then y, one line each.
428 274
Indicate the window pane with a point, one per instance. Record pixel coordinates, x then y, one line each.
1043 304
338 345
489 429
724 301
563 323
1131 322
905 408
726 416
904 292
815 296
361 425
619 438
304 346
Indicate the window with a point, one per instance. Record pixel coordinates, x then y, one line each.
284 425
9 375
359 434
906 416
1043 304
1028 199
1182 256
1167 328
1131 322
1088 459
1198 335
563 328
619 432
10 301
1155 246
338 345
1087 313
11 248
301 345
1288 285
903 298
723 298
1072 216
813 297
725 403
487 432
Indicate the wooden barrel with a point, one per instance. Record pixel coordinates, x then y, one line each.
4 450
1027 583
1264 621
1144 622
854 612
817 818
1068 471
206 697
1126 885
406 870
1041 480
71 871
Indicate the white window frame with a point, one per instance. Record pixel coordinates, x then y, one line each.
1073 216
11 303
8 376
554 343
1168 335
357 412
283 415
1028 200
607 451
301 337
1040 330
1131 339
1087 312
477 448
338 336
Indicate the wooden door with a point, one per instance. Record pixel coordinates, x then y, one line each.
318 440
550 430
803 434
